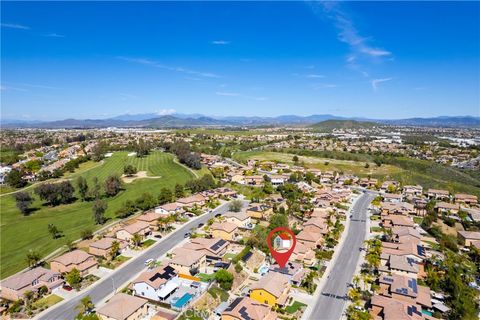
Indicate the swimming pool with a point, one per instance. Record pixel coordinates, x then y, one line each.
263 269
180 303
428 313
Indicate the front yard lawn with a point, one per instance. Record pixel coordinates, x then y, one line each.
47 301
295 307
376 229
115 262
418 220
147 243
229 256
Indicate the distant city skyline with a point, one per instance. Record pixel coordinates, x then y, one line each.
379 60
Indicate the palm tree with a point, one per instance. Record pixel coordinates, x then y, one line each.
85 305
356 280
136 239
33 257
114 249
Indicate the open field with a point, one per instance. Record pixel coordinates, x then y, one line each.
345 166
20 233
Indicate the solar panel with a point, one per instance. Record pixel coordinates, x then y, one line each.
247 256
412 283
234 304
218 244
244 314
388 279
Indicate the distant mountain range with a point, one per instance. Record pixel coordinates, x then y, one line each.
329 125
152 120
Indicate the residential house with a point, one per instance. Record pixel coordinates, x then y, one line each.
404 288
392 197
214 248
170 209
413 191
466 198
188 262
245 308
155 284
304 254
402 208
388 308
123 307
446 207
76 259
241 219
127 232
438 194
255 180
151 217
259 211
14 287
403 265
224 230
468 238
192 201
103 247
272 289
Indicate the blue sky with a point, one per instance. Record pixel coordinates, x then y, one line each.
367 59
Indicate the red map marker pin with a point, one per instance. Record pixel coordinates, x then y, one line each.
285 236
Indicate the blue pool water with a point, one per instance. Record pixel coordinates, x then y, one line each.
263 269
428 313
182 301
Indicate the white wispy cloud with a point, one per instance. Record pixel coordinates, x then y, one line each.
220 42
15 26
320 86
39 86
313 76
347 32
53 35
376 82
236 94
166 112
9 88
156 64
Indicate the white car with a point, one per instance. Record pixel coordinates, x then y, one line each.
148 261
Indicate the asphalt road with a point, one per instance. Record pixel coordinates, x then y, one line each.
330 303
108 285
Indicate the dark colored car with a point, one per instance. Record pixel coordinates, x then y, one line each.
67 287
187 235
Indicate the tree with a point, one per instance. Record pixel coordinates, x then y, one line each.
367 165
28 297
146 201
23 201
129 170
82 186
295 159
54 231
224 279
113 185
95 191
74 278
114 250
136 239
98 209
33 257
278 220
14 179
55 193
165 196
84 306
235 206
86 234
179 191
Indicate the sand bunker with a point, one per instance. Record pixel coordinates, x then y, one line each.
138 175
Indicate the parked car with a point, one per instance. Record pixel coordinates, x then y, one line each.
67 287
148 261
158 236
201 225
187 235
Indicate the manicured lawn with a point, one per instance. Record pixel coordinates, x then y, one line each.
206 277
47 301
20 233
147 243
376 229
229 256
418 220
295 307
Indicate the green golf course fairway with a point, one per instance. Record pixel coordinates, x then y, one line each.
21 233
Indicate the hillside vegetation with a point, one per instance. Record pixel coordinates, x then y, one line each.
330 125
